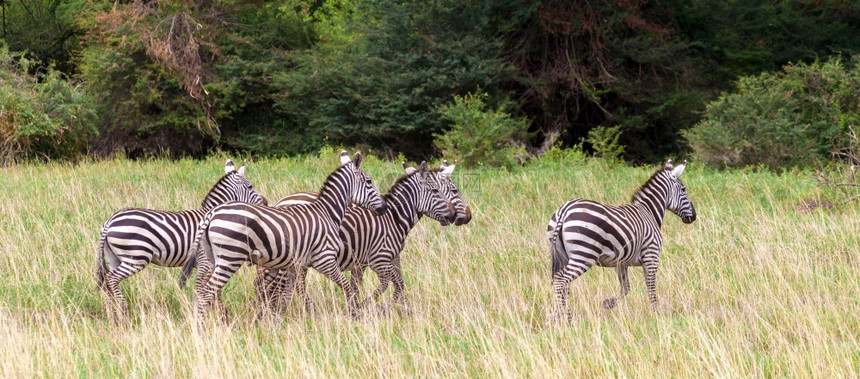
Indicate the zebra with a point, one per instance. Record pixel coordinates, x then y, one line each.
450 191
281 238
132 238
583 233
376 241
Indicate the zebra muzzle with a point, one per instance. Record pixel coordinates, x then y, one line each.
463 219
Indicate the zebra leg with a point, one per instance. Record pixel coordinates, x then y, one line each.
625 288
267 292
211 290
261 291
356 277
383 286
561 287
281 291
577 264
114 301
301 290
326 264
204 274
399 296
649 265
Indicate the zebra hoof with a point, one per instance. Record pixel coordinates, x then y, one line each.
365 303
556 318
382 310
404 309
310 309
609 303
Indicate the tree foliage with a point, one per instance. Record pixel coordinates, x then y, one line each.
186 76
782 118
382 89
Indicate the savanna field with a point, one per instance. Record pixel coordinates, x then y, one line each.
753 287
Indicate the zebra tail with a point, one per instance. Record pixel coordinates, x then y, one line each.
101 269
189 266
559 256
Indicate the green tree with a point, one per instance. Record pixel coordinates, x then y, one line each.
169 75
383 88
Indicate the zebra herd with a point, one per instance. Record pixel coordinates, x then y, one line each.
349 226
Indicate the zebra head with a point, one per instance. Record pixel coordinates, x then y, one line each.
233 186
678 202
450 191
364 193
431 198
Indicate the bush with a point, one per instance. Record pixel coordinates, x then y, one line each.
604 141
780 119
481 136
43 116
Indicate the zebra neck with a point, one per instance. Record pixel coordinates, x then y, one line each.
219 194
335 193
402 200
652 199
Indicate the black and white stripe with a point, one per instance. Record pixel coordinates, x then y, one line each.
583 233
281 238
132 238
376 241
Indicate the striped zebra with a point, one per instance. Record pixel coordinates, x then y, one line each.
583 233
376 241
281 238
132 238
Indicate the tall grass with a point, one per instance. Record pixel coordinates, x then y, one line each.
752 288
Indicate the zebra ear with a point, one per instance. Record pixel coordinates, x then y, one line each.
448 170
679 170
422 169
444 164
344 157
229 167
407 168
241 170
668 165
357 159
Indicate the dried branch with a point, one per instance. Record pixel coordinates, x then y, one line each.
178 50
847 159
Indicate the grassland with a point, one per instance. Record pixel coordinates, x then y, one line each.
752 288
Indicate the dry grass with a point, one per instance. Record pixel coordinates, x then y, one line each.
752 288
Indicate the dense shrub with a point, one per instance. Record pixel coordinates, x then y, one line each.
780 119
479 135
604 142
379 82
43 116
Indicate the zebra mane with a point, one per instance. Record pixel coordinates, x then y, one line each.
328 182
217 184
401 181
646 184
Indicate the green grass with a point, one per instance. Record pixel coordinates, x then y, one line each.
752 288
